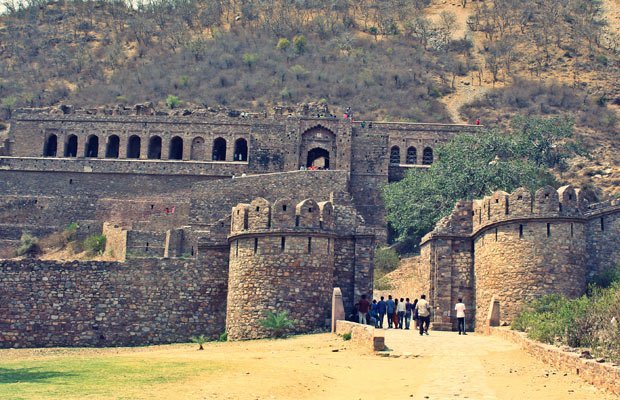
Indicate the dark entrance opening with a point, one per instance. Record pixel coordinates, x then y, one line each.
71 146
154 148
111 150
219 150
92 146
318 158
176 148
133 147
241 150
51 146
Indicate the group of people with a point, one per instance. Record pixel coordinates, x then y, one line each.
401 312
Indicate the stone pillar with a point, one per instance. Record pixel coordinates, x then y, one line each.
337 308
144 146
187 148
122 146
81 142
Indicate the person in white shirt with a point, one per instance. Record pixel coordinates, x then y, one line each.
460 315
401 309
424 314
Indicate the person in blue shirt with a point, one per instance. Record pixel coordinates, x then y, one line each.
381 308
374 315
390 307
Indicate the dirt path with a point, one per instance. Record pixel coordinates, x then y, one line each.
440 366
483 367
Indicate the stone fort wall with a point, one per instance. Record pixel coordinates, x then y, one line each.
517 247
47 303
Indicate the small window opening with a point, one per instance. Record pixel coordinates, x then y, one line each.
297 220
548 230
255 245
282 244
571 230
520 231
496 201
192 251
546 195
257 209
147 246
310 210
238 212
519 197
329 246
602 224
70 181
309 245
236 248
496 234
570 196
284 207
152 205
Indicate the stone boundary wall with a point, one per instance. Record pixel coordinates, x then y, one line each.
88 303
364 336
124 166
601 375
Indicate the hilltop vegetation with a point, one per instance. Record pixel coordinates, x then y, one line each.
391 59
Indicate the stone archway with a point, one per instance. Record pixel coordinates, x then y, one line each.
318 142
318 158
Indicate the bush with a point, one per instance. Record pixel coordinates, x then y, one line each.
278 323
604 279
223 337
28 245
199 340
172 101
346 336
95 244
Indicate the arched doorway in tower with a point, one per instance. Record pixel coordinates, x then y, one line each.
241 150
219 150
51 146
111 150
133 147
318 158
154 152
92 146
176 148
197 151
71 146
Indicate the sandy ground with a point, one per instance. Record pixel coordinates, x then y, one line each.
440 366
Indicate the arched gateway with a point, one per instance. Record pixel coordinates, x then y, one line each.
318 148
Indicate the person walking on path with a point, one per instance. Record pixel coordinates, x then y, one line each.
390 307
424 314
402 309
415 313
374 315
395 314
460 315
408 313
362 310
381 309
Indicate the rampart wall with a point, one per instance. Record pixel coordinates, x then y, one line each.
517 247
48 304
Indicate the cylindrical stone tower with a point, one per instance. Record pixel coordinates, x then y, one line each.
281 259
526 248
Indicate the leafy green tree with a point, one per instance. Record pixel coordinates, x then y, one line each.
28 245
542 140
299 44
283 44
95 244
250 59
472 166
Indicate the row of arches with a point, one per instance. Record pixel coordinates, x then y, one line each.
153 151
412 155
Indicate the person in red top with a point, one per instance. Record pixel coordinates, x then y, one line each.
362 309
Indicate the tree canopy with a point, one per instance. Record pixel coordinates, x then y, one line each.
474 165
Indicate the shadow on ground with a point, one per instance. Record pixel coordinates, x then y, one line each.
28 375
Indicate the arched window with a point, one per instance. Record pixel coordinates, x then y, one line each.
395 155
427 156
51 146
176 148
133 147
219 150
111 150
241 150
154 148
92 146
198 149
71 146
412 155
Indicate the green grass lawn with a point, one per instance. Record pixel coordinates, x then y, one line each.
104 376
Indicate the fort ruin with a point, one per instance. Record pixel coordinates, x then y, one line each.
216 217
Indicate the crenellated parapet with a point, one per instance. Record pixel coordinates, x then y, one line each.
261 216
546 203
